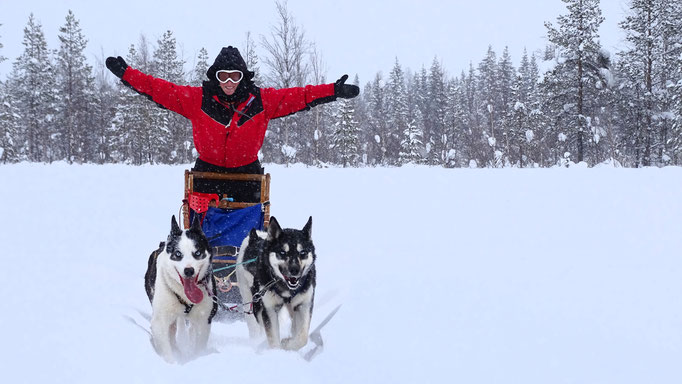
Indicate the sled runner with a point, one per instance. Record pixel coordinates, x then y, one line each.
226 223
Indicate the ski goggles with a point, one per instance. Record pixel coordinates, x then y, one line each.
233 75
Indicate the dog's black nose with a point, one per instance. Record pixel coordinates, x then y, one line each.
189 272
294 269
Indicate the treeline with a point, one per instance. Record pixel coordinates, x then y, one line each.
572 102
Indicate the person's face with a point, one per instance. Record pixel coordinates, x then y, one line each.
229 88
229 80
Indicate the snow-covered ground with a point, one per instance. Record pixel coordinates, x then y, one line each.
444 276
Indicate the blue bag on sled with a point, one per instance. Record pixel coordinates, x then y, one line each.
230 227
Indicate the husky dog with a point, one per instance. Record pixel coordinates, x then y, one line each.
283 274
181 289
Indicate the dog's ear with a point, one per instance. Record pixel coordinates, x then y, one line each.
175 228
253 235
308 227
196 224
274 230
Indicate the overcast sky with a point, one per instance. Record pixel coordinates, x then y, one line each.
354 36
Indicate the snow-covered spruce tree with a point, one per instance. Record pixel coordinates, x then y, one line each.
505 83
551 100
75 87
361 117
673 33
488 90
603 125
33 84
133 119
671 52
524 118
174 144
103 111
575 78
646 66
374 136
9 125
636 67
437 104
122 133
530 75
346 135
396 113
537 149
519 131
2 58
418 95
418 92
286 51
449 118
124 148
198 75
474 143
411 146
455 122
676 134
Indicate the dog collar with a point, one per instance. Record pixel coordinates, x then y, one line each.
188 307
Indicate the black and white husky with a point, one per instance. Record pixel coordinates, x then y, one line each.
282 275
181 289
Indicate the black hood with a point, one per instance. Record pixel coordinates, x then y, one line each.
229 58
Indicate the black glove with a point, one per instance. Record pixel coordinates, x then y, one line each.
346 91
117 66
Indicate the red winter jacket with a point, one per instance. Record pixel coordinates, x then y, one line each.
223 137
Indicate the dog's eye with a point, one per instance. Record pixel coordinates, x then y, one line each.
198 255
281 253
303 254
177 255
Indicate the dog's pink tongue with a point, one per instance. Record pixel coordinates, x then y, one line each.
192 291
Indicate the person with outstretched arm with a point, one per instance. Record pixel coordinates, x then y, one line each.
229 114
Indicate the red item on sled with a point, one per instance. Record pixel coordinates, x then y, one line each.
199 201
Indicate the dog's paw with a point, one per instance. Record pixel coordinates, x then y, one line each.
294 343
170 359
